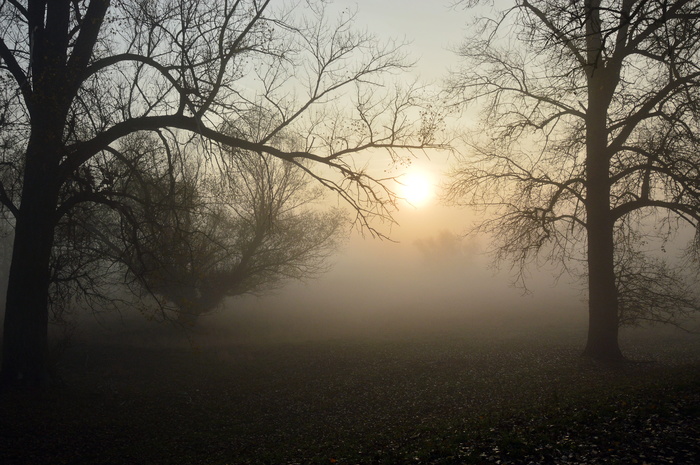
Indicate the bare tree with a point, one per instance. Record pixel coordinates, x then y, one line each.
186 236
195 238
591 119
78 76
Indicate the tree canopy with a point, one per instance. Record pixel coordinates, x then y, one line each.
80 76
199 238
589 139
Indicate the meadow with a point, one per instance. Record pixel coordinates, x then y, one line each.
497 393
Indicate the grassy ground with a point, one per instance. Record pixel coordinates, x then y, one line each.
438 399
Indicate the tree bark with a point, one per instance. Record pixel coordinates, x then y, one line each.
603 324
51 89
602 290
25 336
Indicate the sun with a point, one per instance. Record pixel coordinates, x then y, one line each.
416 188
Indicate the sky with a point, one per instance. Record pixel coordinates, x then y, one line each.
433 28
428 272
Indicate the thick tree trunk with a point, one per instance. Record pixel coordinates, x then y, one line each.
25 339
49 94
602 290
603 324
25 335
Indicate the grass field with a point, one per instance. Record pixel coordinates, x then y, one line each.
485 396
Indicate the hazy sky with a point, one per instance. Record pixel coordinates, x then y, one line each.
430 270
432 27
429 275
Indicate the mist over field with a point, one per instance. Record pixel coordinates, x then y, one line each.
425 286
263 232
404 353
432 281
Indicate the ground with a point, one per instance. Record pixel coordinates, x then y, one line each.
438 398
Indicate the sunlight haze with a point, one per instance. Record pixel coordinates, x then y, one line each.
350 232
427 254
417 188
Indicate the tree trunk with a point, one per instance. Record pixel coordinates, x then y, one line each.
602 291
48 97
187 318
25 336
603 324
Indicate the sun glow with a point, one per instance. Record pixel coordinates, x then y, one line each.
415 188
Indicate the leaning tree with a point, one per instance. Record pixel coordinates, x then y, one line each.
591 117
80 75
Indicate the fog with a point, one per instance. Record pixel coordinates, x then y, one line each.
428 281
413 348
432 280
385 290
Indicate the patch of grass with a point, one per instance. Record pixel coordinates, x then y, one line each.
428 401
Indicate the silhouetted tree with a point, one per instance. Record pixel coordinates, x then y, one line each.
189 236
590 120
194 238
79 75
